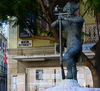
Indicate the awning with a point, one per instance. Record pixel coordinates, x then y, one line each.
36 57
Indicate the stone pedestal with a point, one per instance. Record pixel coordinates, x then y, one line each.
70 85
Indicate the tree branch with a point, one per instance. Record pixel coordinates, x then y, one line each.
44 37
45 11
87 61
86 11
51 7
89 64
44 18
43 6
93 49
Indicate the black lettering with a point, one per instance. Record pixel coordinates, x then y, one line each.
21 41
27 41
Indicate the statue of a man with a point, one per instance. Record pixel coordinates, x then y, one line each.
72 26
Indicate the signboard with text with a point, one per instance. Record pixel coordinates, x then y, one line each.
25 43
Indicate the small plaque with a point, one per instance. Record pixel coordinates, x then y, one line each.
25 43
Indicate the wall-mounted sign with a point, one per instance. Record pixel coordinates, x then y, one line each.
25 43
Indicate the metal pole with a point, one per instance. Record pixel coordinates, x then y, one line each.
60 40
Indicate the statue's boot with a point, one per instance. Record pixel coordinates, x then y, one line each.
74 71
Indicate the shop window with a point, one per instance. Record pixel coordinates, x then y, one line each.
39 74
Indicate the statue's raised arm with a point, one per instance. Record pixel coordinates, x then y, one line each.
55 24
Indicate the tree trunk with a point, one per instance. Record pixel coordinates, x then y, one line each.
95 68
94 71
97 63
95 78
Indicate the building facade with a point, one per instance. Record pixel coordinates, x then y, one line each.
3 63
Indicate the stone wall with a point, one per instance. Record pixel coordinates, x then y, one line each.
19 66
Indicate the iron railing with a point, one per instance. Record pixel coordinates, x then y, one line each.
91 33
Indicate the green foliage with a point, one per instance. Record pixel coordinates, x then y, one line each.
52 42
18 8
21 9
93 6
26 12
84 34
42 31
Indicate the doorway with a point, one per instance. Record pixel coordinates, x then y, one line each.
19 82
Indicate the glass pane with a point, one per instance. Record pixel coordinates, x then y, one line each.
39 74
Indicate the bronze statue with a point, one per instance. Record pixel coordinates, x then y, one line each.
72 26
